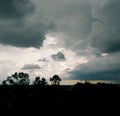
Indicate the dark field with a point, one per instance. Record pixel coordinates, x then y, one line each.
77 99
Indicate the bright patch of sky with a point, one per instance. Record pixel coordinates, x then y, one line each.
16 58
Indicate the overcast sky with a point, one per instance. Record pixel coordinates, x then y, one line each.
76 39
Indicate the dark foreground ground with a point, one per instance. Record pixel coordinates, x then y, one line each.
77 99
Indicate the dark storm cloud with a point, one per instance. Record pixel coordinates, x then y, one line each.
58 57
17 29
30 67
102 68
15 9
106 36
101 76
30 35
107 41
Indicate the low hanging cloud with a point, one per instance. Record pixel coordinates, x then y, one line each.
102 68
58 57
30 67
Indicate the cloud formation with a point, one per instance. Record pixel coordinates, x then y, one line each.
58 57
17 29
106 36
73 19
30 67
102 68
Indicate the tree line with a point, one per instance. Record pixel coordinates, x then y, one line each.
22 78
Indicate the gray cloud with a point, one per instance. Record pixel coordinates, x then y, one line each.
30 67
17 29
22 36
103 35
102 68
15 9
27 35
58 57
73 20
106 37
78 20
30 35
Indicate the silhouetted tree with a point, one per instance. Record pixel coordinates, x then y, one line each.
39 81
17 79
55 80
4 82
43 81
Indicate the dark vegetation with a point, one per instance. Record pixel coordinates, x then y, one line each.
18 95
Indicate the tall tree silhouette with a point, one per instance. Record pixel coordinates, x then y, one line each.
17 79
55 80
39 81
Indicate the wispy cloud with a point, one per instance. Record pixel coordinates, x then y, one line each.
43 60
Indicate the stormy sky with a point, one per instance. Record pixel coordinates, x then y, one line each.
76 39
